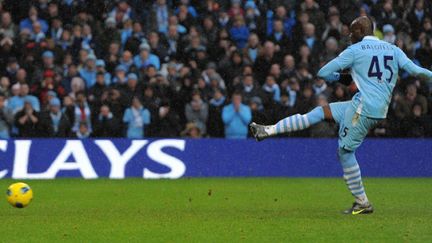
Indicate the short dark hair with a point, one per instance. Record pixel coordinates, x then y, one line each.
237 92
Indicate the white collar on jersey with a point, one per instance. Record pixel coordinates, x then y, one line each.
370 37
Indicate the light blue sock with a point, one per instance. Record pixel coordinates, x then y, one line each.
298 122
352 175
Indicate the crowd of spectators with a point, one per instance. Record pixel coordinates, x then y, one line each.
193 68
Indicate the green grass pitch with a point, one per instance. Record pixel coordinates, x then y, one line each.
217 210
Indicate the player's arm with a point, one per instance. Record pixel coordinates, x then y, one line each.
410 67
331 71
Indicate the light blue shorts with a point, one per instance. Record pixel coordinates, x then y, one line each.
353 127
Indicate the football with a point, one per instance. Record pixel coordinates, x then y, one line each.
19 195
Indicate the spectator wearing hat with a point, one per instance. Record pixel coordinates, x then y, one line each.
136 117
88 72
389 34
51 95
27 121
106 124
48 63
132 87
100 68
48 86
6 118
236 117
53 122
120 75
252 16
146 58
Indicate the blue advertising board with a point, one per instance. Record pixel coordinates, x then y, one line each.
176 158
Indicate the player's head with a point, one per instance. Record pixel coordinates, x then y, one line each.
360 27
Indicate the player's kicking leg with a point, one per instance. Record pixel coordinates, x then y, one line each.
292 123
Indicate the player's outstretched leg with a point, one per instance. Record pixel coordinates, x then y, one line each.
352 177
292 123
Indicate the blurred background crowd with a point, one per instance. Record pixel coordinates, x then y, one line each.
193 68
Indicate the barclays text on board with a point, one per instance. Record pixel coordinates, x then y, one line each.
176 158
74 156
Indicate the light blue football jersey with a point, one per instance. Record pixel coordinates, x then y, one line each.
374 68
